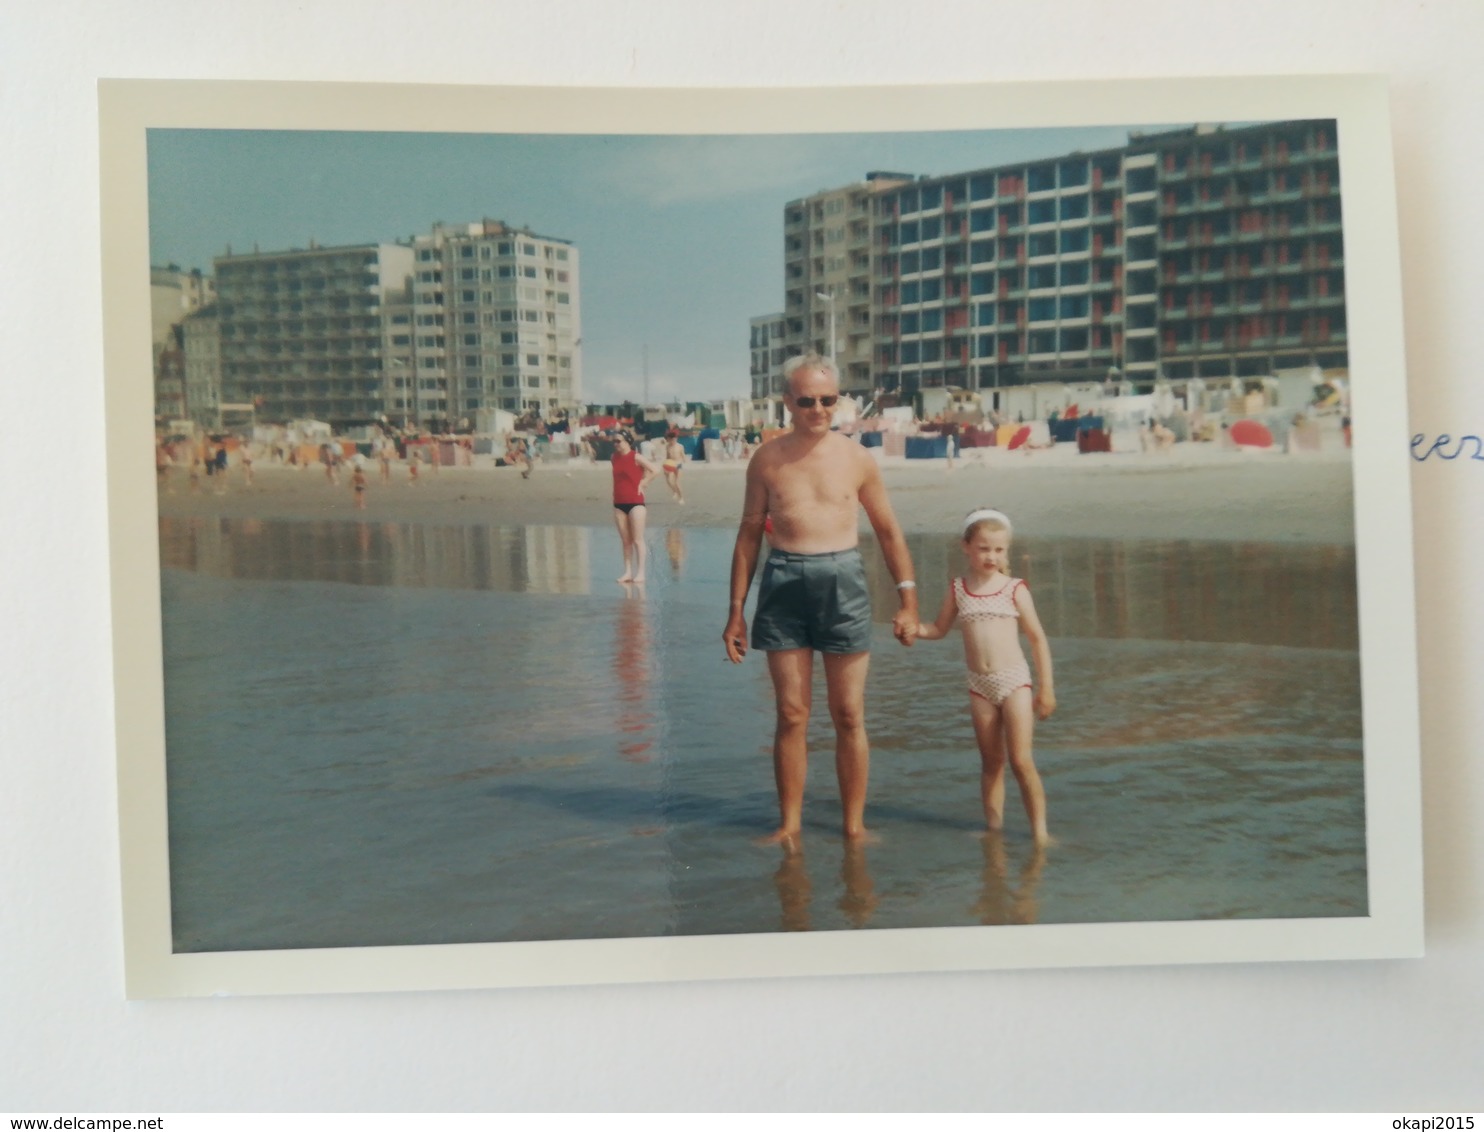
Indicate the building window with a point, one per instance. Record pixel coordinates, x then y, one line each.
909 322
1074 207
533 359
1075 240
1041 243
911 293
528 249
1074 306
1040 212
1041 310
932 290
1041 275
932 320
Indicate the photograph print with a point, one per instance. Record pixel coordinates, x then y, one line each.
830 536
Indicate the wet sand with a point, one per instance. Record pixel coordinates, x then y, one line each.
1194 492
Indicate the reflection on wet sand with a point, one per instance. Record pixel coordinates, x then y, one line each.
1292 594
366 755
675 548
858 899
537 559
999 902
632 670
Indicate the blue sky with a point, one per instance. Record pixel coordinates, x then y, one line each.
681 236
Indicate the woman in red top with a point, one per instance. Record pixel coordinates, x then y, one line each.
631 472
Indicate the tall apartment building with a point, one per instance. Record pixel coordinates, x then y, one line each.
201 350
302 332
830 260
496 322
1203 252
767 335
173 296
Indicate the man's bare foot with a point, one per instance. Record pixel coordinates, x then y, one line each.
626 578
862 836
638 579
791 840
1044 840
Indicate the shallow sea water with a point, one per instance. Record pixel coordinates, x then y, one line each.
388 734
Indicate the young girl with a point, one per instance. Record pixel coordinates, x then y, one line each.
673 462
992 605
631 472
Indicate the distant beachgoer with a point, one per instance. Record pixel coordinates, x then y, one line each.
358 483
994 608
162 467
247 462
414 462
384 457
674 460
631 472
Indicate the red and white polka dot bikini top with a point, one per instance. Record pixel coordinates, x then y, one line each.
982 607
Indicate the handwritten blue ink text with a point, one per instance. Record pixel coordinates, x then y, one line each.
1438 447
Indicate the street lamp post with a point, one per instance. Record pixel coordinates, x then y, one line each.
829 297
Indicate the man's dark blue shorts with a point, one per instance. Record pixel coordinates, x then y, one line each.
813 601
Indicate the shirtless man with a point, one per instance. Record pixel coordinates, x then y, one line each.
813 595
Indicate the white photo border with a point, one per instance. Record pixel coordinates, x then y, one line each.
1393 927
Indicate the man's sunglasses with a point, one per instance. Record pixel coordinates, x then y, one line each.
809 402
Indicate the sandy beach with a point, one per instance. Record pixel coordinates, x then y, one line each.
1193 492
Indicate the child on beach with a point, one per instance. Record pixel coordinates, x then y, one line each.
358 482
993 608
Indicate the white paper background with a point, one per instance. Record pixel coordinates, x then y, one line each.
1397 1036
